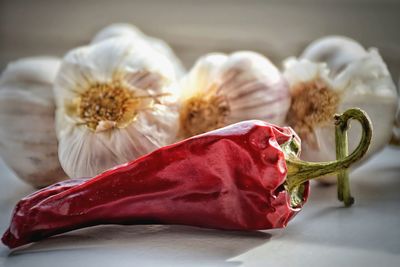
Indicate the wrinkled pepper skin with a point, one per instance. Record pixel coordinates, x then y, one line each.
231 178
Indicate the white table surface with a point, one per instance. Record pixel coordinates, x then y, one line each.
323 234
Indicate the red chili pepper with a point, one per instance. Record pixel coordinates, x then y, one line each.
244 177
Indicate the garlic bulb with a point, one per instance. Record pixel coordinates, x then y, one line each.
114 103
223 89
350 79
125 29
28 142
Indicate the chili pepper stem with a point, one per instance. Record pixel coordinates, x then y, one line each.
301 171
342 151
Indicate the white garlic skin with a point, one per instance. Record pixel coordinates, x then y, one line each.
364 82
86 153
336 51
28 142
125 29
253 86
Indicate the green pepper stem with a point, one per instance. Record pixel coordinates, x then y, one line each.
301 171
342 151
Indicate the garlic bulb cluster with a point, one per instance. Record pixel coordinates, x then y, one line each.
115 103
335 74
128 30
223 89
28 142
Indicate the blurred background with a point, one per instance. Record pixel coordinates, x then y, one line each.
324 234
276 28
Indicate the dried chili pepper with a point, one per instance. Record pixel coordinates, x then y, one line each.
246 176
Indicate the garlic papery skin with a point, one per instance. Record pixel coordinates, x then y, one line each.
364 83
115 103
347 60
28 142
223 89
129 30
314 98
336 51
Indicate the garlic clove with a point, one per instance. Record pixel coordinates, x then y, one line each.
106 149
125 29
336 51
28 142
34 69
257 90
223 89
299 71
314 99
202 75
115 102
114 59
